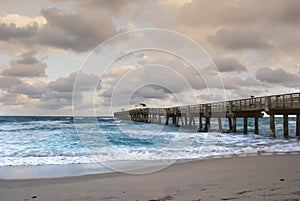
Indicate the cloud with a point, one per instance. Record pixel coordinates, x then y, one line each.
278 76
39 93
229 64
20 101
237 13
7 98
114 7
74 31
245 92
26 66
270 28
151 92
7 82
85 82
20 21
14 33
35 91
58 102
59 94
57 28
15 85
216 13
233 82
288 12
239 39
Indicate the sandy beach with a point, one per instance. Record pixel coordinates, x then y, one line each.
275 177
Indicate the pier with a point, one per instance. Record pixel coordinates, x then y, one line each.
253 107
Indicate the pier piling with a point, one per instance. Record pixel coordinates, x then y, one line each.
230 123
245 125
220 123
298 125
256 119
234 124
272 125
286 125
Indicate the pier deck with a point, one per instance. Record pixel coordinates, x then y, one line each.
281 104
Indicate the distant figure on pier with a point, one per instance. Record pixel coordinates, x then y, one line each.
141 104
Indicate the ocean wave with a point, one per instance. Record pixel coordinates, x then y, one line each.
55 140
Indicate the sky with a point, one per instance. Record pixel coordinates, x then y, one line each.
54 54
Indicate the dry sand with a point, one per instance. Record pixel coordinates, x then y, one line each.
250 178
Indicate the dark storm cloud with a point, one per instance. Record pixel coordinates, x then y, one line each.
27 65
229 64
278 76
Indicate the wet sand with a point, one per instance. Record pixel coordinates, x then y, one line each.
273 177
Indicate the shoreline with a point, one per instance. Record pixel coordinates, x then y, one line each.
54 171
273 177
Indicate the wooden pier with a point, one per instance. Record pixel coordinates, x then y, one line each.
282 104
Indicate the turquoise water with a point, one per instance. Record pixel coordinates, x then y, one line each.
31 141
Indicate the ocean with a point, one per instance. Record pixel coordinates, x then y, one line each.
56 140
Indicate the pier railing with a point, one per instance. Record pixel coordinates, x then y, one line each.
285 101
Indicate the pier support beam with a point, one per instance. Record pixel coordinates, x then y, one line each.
256 125
298 125
230 123
207 123
185 119
272 125
220 123
193 121
152 118
167 120
173 119
245 125
200 121
234 124
286 125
